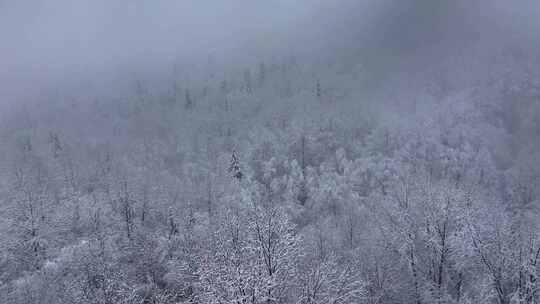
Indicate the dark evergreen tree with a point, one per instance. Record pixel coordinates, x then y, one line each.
234 168
55 142
189 101
262 74
176 92
248 82
303 193
224 92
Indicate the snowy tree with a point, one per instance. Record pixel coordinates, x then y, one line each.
234 167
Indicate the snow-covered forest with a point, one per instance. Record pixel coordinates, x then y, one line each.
345 159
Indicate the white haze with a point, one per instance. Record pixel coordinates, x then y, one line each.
52 43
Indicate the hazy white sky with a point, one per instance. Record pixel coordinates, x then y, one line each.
43 41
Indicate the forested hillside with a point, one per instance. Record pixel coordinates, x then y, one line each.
292 178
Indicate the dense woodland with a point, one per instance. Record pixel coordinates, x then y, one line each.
285 180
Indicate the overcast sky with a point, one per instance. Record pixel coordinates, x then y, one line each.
50 41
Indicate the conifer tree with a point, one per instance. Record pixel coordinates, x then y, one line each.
262 74
235 167
189 101
248 82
